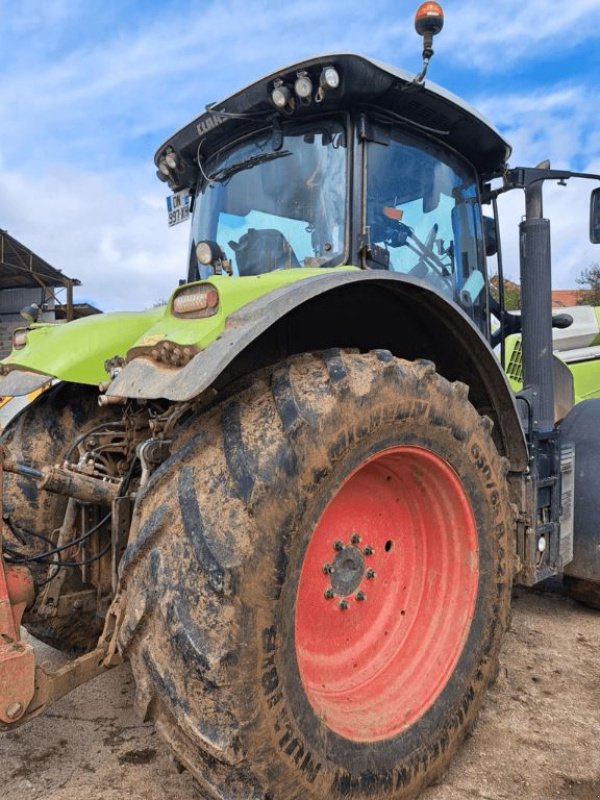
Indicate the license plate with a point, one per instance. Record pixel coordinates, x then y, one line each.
178 207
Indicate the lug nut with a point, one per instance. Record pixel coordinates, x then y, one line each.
371 574
13 710
326 569
355 538
338 545
368 551
343 605
328 594
360 596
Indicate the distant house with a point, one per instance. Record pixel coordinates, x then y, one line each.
26 278
561 298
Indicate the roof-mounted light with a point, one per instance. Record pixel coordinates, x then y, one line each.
171 159
281 95
303 87
429 21
329 79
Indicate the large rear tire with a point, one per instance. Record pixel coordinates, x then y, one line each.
40 435
318 582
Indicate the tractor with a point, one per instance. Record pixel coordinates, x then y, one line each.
297 496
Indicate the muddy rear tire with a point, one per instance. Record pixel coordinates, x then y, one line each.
264 668
40 435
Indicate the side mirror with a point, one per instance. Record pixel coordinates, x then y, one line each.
595 217
489 236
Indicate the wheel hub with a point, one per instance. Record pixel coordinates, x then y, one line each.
348 571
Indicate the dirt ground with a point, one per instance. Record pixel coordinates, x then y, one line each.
538 737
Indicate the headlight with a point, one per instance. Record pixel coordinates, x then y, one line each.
19 339
208 252
193 302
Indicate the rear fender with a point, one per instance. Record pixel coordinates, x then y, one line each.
364 310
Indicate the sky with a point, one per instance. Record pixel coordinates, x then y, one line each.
89 90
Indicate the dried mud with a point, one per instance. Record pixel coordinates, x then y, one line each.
537 736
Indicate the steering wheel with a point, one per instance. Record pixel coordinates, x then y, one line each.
428 259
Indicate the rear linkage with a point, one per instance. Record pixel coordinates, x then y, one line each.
115 461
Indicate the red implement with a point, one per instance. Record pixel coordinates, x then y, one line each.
17 659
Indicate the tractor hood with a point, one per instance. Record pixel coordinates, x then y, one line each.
73 351
171 335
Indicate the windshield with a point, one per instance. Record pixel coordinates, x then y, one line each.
279 208
423 211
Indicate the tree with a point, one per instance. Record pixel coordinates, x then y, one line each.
590 279
512 293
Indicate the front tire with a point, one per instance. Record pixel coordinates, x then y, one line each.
41 435
337 476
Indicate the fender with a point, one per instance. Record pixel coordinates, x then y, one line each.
365 310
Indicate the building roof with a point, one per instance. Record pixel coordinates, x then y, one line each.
562 298
21 268
79 310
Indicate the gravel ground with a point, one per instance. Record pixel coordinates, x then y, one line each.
537 737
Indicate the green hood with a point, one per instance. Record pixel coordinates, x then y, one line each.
76 351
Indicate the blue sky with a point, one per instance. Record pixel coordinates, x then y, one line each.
88 90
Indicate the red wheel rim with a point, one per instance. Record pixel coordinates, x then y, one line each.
374 667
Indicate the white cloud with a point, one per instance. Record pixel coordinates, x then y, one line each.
558 125
87 86
116 242
160 75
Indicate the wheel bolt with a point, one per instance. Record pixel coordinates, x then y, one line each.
343 605
338 545
355 539
368 551
326 569
360 596
13 710
328 594
371 574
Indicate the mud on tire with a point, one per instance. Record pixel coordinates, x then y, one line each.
219 544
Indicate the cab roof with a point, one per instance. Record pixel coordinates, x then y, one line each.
365 84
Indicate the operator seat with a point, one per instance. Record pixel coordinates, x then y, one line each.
263 250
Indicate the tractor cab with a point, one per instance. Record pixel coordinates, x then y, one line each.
339 160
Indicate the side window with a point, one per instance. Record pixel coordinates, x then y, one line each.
422 208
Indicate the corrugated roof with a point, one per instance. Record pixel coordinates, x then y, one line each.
21 268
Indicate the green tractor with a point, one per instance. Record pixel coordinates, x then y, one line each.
299 499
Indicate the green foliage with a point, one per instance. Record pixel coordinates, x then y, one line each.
590 279
512 293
